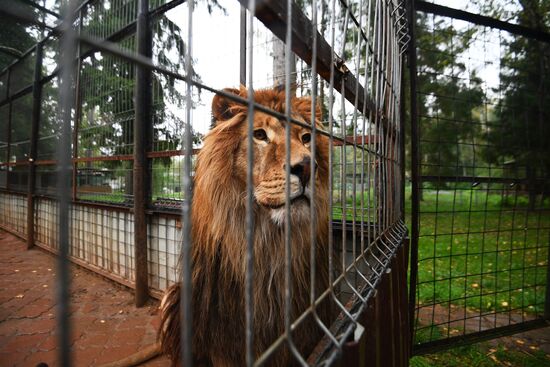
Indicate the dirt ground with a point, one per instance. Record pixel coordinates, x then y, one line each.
106 326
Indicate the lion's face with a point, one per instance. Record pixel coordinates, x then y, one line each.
269 144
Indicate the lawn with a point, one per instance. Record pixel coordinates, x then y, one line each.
482 355
482 251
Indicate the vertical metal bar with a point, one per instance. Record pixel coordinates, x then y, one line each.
414 168
288 245
249 296
242 47
402 138
186 312
312 209
36 102
68 50
8 133
78 110
547 298
142 133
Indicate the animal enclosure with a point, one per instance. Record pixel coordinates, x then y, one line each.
480 207
103 118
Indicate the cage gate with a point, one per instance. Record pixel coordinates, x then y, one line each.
480 178
104 117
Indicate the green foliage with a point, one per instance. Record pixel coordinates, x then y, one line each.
446 98
15 36
521 130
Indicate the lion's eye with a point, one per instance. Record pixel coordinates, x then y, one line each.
306 138
260 134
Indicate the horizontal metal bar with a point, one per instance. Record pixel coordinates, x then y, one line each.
169 153
40 7
482 20
475 179
20 93
103 158
456 341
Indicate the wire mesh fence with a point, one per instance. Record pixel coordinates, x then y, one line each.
483 208
103 119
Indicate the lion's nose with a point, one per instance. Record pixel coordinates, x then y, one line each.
302 170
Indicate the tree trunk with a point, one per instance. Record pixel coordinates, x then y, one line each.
279 65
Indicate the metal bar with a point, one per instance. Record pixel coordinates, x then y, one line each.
8 132
242 47
78 112
415 168
68 51
288 224
19 93
249 262
186 311
458 341
142 133
547 295
477 179
35 123
402 137
41 8
482 20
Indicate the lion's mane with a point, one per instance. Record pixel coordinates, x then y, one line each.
219 252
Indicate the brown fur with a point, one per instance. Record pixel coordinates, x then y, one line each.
219 238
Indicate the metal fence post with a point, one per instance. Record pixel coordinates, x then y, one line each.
547 299
78 112
414 169
8 133
242 47
36 101
142 132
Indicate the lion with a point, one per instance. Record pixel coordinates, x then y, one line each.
218 233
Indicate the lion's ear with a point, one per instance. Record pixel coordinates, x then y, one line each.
303 107
222 107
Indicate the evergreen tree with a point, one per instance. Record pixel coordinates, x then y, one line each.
447 98
521 134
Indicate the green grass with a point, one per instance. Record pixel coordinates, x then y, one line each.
481 355
477 245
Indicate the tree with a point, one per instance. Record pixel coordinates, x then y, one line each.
16 37
521 132
447 98
106 126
